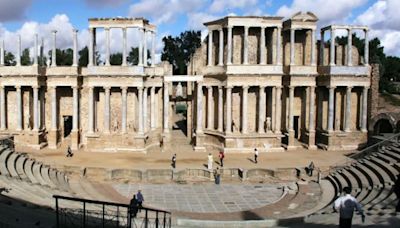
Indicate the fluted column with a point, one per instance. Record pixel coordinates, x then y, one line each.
91 47
152 108
332 49
229 44
140 109
292 47
2 108
364 110
145 90
246 45
35 108
261 108
91 111
278 109
153 48
349 48
140 47
262 46
75 117
220 108
273 108
75 50
221 48
228 127
54 50
19 108
331 107
124 48
366 48
278 46
144 47
53 91
124 108
322 49
35 50
19 49
166 108
107 30
209 108
311 118
244 108
107 110
199 123
313 46
347 119
291 96
210 47
2 53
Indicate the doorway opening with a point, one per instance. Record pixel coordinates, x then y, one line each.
296 126
180 117
67 125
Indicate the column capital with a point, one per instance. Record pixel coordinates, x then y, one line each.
246 87
18 87
246 27
349 87
54 32
124 88
229 87
364 87
278 87
229 27
220 29
331 87
35 87
262 86
208 86
220 87
107 88
107 28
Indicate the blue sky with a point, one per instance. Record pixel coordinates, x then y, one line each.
27 17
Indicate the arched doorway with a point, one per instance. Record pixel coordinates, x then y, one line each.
383 126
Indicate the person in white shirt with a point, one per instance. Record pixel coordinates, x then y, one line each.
255 155
210 161
346 205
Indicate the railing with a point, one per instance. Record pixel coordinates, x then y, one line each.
92 213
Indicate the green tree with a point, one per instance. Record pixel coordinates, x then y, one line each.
116 59
133 56
178 50
9 59
84 57
25 58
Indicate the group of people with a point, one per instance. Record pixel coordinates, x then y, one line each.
136 204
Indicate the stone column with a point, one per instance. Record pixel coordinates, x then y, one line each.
278 109
291 96
262 46
332 49
246 45
153 48
244 109
261 108
35 108
166 107
145 92
107 30
209 108
124 108
349 48
3 108
313 59
220 109
366 48
322 48
273 107
292 47
229 55
53 91
91 111
91 47
199 123
364 110
311 118
124 48
19 108
228 127
18 57
54 50
75 116
152 108
278 46
75 55
331 107
140 109
221 48
348 110
144 47
107 109
2 53
140 47
35 50
210 47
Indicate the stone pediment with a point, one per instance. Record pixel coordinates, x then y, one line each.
308 16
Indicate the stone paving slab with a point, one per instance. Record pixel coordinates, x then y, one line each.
204 197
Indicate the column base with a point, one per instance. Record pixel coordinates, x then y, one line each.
311 141
52 139
291 143
75 139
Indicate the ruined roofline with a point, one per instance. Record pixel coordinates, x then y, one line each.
353 27
121 22
225 20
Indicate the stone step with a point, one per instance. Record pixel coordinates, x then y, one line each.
386 158
11 165
45 173
36 169
28 168
20 163
4 155
369 174
389 169
365 185
383 176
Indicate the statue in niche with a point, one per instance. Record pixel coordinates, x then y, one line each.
179 90
268 124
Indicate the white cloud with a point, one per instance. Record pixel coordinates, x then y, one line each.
196 20
13 10
218 6
105 3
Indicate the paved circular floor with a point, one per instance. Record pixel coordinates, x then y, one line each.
204 197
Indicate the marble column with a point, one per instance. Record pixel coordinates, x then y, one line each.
349 48
221 48
53 91
91 47
273 108
124 108
331 107
262 46
35 108
145 47
311 117
366 48
278 109
75 46
291 97
145 92
54 50
35 50
107 30
152 108
332 49
124 48
322 49
261 108
91 110
107 109
292 47
166 107
75 97
199 120
3 124
364 110
228 126
347 119
140 109
229 44
246 45
153 48
313 46
18 57
2 53
19 108
140 47
210 47
244 108
220 108
278 46
209 108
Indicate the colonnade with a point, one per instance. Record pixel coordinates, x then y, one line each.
293 49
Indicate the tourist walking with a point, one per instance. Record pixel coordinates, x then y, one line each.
69 152
173 161
310 169
221 156
346 205
210 161
217 175
133 207
140 199
255 155
396 190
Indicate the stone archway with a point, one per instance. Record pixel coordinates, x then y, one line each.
383 123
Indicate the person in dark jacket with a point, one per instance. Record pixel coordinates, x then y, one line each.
140 199
133 207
